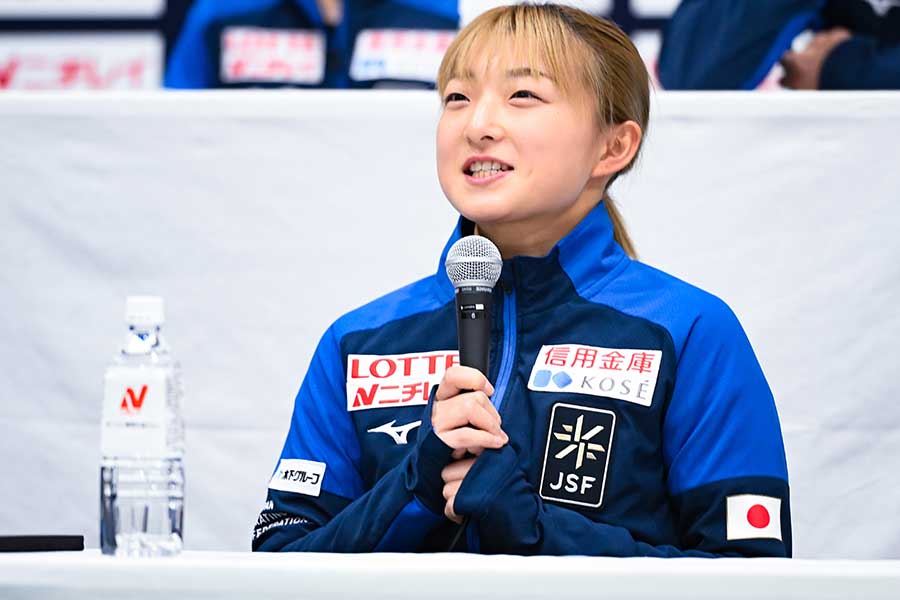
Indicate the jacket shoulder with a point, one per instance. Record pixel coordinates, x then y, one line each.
420 296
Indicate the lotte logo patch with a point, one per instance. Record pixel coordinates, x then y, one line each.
386 380
576 460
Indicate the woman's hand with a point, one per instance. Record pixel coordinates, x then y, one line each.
453 475
462 414
803 70
464 418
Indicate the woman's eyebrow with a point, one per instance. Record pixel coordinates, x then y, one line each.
517 73
520 72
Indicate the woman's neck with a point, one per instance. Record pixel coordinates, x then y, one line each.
536 236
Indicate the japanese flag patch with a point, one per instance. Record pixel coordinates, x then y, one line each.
749 517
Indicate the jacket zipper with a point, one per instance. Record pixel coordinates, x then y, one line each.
507 358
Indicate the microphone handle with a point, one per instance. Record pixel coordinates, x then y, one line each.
473 326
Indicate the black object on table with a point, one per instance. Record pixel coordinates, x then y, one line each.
41 543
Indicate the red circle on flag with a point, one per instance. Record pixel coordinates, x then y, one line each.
758 516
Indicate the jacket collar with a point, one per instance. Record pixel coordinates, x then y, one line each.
587 258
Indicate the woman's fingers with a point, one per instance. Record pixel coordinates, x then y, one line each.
448 511
451 488
472 408
459 379
455 471
467 437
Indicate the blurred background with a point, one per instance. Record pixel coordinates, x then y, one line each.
128 44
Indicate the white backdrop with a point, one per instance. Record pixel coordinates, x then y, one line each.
261 217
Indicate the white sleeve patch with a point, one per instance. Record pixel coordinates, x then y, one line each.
298 476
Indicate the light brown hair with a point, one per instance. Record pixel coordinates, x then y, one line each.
571 47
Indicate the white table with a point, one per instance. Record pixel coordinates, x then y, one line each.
458 576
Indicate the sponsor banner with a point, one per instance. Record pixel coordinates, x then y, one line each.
576 460
402 54
653 9
628 375
134 413
751 517
298 476
88 9
380 381
261 55
114 61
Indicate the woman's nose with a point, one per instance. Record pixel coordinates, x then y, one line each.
485 124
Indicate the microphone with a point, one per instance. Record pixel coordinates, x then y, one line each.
473 265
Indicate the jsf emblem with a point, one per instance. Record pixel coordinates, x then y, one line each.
131 402
579 442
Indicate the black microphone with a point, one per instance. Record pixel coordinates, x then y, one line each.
473 265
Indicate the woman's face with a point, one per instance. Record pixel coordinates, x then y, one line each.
511 148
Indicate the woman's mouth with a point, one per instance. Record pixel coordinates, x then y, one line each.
482 172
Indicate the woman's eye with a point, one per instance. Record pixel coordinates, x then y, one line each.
454 97
525 94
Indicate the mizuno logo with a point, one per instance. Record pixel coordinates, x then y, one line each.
398 434
883 7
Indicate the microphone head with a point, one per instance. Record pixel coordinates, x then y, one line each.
473 261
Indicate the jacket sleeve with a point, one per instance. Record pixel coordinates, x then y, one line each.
730 44
190 66
862 63
722 445
316 501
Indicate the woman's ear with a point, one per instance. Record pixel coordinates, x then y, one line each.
619 148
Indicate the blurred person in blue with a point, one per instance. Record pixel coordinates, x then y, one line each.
733 44
312 43
624 412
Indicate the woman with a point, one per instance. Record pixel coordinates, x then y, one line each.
628 415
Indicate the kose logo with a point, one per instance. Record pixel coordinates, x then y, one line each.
618 373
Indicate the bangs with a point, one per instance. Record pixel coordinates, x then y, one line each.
525 34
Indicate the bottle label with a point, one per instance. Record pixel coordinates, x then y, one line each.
134 412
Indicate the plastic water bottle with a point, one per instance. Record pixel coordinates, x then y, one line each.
142 441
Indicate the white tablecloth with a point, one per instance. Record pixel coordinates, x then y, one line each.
90 575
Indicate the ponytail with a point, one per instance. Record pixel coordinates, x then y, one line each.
619 232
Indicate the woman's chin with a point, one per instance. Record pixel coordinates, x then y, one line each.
483 211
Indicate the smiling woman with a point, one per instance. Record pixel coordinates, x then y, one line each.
624 412
565 112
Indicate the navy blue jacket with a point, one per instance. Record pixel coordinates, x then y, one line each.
640 422
733 44
378 42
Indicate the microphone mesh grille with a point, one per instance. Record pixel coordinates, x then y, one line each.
473 261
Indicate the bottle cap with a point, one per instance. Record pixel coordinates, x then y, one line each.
144 310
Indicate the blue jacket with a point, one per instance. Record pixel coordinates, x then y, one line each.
733 44
343 56
640 422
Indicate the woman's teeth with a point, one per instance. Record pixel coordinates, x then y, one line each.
481 169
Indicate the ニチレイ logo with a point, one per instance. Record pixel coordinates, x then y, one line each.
131 402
